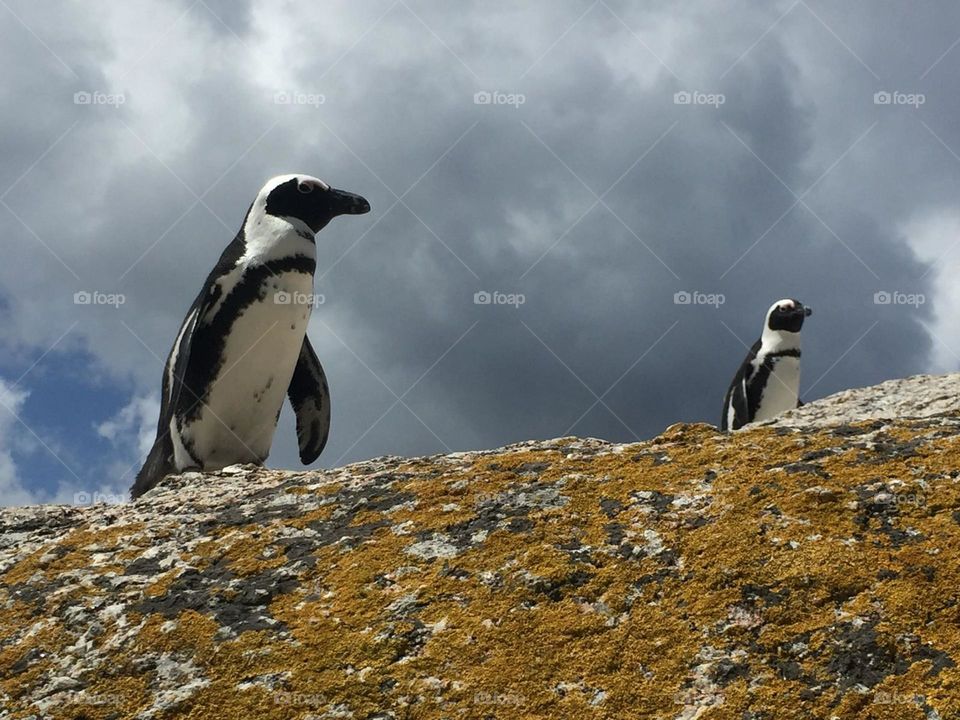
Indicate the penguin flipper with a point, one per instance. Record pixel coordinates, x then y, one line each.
738 394
734 400
160 462
310 397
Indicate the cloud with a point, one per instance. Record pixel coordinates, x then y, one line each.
26 446
134 427
598 198
935 238
131 432
12 491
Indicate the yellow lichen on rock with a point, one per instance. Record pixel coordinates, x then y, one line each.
771 573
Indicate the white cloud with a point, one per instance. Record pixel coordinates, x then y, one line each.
100 212
936 239
134 426
12 491
131 431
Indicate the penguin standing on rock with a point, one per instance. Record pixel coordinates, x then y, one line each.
768 381
243 345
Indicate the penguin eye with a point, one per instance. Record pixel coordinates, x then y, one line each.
305 188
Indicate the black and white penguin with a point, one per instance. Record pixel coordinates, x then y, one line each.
768 381
243 343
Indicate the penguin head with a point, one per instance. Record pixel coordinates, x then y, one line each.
786 316
309 200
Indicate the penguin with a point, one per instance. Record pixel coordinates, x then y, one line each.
768 381
243 345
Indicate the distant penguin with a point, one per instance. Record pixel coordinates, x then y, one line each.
768 381
243 343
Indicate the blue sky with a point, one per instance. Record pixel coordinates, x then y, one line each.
603 161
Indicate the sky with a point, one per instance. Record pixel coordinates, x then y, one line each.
581 210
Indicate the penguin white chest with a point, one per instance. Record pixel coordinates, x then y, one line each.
782 389
238 420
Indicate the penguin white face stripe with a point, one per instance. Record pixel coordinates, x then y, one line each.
248 326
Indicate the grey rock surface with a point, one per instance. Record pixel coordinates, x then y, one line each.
916 396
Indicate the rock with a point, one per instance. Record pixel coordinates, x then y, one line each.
809 568
917 396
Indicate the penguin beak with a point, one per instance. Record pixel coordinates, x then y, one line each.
347 203
807 312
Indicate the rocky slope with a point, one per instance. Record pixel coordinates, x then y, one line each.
917 396
806 570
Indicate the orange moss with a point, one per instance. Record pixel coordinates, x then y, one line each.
751 556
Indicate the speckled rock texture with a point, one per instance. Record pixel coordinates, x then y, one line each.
917 396
780 572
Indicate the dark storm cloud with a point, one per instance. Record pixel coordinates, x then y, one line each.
598 199
601 297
